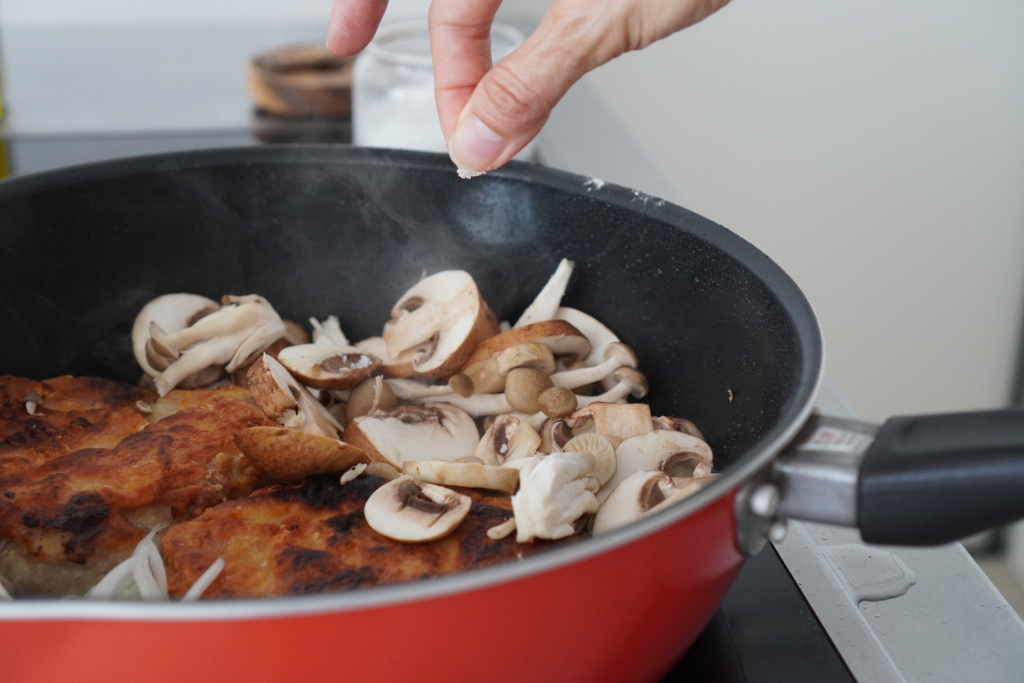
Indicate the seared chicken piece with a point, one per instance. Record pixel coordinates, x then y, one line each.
314 538
97 503
68 414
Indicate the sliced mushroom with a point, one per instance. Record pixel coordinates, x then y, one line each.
328 366
616 421
554 434
371 396
411 389
288 456
678 424
439 430
640 495
410 511
328 331
554 492
382 469
376 346
476 405
468 475
438 322
508 438
529 355
674 453
283 399
172 312
545 305
599 447
562 338
295 334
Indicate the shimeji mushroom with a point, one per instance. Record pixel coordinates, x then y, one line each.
437 323
616 355
328 331
408 510
674 453
641 494
438 431
172 312
628 382
592 328
554 492
328 366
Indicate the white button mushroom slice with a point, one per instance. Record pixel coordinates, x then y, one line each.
631 499
508 438
283 399
328 331
563 339
382 469
172 312
599 447
411 389
439 430
289 456
438 322
554 492
376 346
675 453
410 511
592 328
616 355
328 366
468 475
546 303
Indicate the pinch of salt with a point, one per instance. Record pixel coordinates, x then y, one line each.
466 173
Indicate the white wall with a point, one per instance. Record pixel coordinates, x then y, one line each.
875 150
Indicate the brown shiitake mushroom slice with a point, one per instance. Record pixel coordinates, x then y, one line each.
437 323
288 456
408 510
328 366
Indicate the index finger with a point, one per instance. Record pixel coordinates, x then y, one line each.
460 46
352 25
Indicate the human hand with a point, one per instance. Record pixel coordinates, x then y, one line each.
489 113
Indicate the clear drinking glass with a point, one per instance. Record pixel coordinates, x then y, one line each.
393 86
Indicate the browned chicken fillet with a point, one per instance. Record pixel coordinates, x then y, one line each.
93 505
314 538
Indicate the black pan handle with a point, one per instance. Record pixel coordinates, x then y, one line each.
933 479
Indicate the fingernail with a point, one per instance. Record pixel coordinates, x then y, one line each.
474 145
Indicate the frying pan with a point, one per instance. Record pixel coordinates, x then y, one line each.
726 339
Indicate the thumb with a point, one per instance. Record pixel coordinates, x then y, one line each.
513 100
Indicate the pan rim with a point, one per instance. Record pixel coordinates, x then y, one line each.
798 407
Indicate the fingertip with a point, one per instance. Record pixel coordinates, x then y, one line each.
353 24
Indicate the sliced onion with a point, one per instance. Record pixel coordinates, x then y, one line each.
204 581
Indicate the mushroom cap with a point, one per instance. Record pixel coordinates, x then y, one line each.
660 450
172 312
289 456
561 337
283 399
631 499
468 475
328 366
599 447
407 510
438 430
438 322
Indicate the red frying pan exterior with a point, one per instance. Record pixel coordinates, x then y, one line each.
624 615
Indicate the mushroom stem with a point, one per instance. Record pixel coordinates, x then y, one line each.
476 405
410 389
570 379
550 296
616 393
228 320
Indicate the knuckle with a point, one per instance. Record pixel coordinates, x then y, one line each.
513 98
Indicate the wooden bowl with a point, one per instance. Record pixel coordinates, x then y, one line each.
302 81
